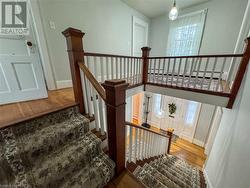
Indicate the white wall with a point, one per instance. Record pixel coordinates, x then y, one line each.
107 24
228 165
223 23
203 124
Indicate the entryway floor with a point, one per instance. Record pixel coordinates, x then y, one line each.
191 153
16 112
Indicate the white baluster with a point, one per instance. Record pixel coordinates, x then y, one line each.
143 144
163 71
96 112
179 69
154 71
173 71
107 68
136 144
168 67
139 144
205 72
212 75
112 67
221 72
184 72
101 113
102 69
191 72
197 73
85 96
130 143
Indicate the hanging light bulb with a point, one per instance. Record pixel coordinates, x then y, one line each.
173 14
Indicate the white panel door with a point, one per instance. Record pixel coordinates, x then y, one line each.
140 36
21 75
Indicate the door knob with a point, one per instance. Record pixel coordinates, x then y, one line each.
29 43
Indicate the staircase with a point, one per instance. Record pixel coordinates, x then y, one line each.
55 150
170 172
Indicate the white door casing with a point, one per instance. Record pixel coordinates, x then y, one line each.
139 35
21 74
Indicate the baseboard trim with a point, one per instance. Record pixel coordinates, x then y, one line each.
198 142
63 84
208 182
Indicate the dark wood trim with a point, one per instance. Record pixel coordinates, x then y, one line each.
240 74
145 55
75 53
160 133
221 94
198 56
93 80
116 101
108 55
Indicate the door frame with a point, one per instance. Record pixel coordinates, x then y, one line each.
42 44
139 21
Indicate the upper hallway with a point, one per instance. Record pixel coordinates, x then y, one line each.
211 79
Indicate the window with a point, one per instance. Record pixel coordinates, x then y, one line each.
185 34
157 104
191 113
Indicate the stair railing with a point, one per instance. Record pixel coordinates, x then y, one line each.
109 67
143 143
90 96
101 78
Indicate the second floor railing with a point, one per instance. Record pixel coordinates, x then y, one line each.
100 82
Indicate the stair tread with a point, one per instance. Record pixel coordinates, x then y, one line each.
60 163
182 170
50 150
147 179
180 180
99 174
170 171
47 139
160 177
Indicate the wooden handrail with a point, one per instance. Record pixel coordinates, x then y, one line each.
108 55
240 74
198 56
146 129
100 90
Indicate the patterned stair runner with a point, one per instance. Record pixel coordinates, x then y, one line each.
56 150
169 172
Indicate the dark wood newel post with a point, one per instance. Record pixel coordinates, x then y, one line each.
145 55
115 101
240 74
75 53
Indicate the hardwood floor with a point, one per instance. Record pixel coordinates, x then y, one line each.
16 112
191 153
125 180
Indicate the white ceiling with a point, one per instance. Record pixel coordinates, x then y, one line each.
153 8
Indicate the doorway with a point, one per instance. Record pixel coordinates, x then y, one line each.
139 36
21 73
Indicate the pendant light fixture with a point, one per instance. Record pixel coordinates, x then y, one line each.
173 14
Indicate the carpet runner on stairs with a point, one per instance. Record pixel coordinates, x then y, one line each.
56 150
169 172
